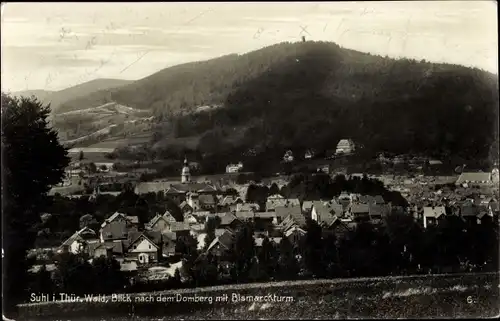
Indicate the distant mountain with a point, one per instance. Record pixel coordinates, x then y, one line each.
311 95
57 98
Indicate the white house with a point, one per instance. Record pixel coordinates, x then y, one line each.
234 168
345 146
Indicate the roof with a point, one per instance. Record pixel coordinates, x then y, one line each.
207 199
378 210
435 212
327 212
226 240
190 187
294 211
179 226
249 207
474 177
116 246
133 219
147 237
360 208
244 215
226 218
272 203
83 234
307 205
293 230
469 210
265 215
151 187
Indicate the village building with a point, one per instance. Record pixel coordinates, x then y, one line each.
433 214
79 241
344 147
117 227
234 168
474 179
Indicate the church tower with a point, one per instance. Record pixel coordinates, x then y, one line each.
185 176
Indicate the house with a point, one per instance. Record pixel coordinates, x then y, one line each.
325 213
309 154
186 208
323 169
277 200
143 248
112 248
104 167
469 212
433 214
294 211
288 157
229 203
179 228
117 227
246 207
160 222
221 245
78 242
360 212
307 206
234 168
229 220
345 146
472 179
377 212
295 235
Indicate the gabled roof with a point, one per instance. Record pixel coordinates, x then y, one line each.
293 230
294 211
247 207
307 205
179 226
378 210
469 210
116 246
226 240
244 215
327 212
82 235
474 177
207 199
113 217
190 187
360 209
265 215
143 236
435 212
226 218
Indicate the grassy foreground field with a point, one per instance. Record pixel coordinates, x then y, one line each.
446 296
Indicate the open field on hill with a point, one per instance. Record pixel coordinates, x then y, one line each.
465 295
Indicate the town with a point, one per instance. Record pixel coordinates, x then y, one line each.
209 215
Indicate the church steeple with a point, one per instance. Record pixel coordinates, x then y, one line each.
185 175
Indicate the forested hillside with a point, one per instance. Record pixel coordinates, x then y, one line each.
310 95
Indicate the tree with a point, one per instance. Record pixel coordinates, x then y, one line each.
74 274
187 246
89 221
81 156
92 168
108 276
288 267
268 258
243 252
33 161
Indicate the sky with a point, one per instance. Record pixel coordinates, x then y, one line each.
52 46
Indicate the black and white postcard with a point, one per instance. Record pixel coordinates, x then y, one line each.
237 160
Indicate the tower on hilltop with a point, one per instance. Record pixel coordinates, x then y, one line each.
185 175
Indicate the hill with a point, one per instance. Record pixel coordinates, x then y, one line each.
93 125
58 98
312 94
